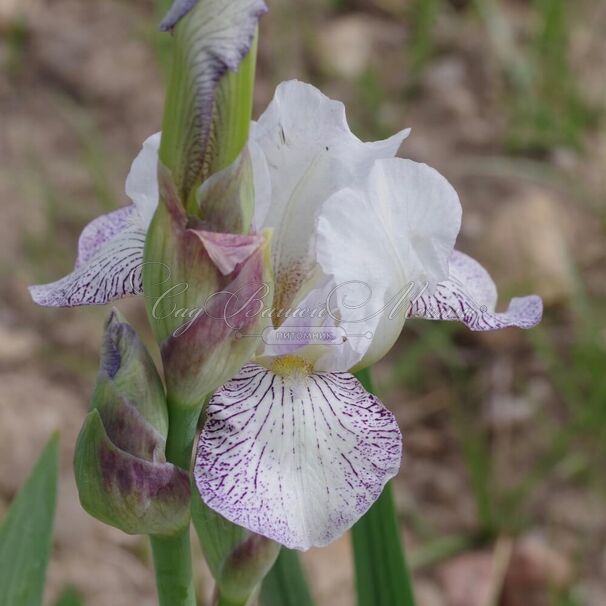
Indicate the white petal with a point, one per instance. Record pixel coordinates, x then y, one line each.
142 180
382 241
298 460
310 329
114 271
262 183
102 229
310 154
470 296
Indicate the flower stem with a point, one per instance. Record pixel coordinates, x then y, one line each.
172 555
220 600
172 563
183 421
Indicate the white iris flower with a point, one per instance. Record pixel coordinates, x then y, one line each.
293 447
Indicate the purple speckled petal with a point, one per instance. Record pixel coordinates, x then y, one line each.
470 296
101 230
105 271
296 458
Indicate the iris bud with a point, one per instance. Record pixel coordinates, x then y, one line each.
120 465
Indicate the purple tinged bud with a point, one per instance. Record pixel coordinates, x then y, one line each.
210 348
111 360
135 494
128 372
177 11
120 465
238 559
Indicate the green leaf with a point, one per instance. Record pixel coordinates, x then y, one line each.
70 597
382 577
26 533
285 585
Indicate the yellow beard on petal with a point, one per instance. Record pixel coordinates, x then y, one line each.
291 367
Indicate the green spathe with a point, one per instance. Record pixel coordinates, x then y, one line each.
127 369
237 558
120 465
226 200
208 350
136 495
209 99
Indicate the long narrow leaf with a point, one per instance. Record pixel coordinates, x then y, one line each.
382 577
70 597
285 585
26 533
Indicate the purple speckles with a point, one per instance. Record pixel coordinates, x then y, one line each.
470 296
296 459
101 230
113 271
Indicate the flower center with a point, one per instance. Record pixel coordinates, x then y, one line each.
291 366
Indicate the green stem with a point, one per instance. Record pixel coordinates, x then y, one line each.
172 563
220 600
183 421
172 555
382 575
285 585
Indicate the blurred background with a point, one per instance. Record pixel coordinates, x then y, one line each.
502 494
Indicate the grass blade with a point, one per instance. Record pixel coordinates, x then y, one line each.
69 597
382 576
285 585
26 533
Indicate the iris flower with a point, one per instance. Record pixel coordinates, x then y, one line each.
293 447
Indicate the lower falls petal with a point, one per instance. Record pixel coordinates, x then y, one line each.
296 458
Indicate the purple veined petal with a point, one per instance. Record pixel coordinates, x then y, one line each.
112 270
470 296
102 229
295 458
